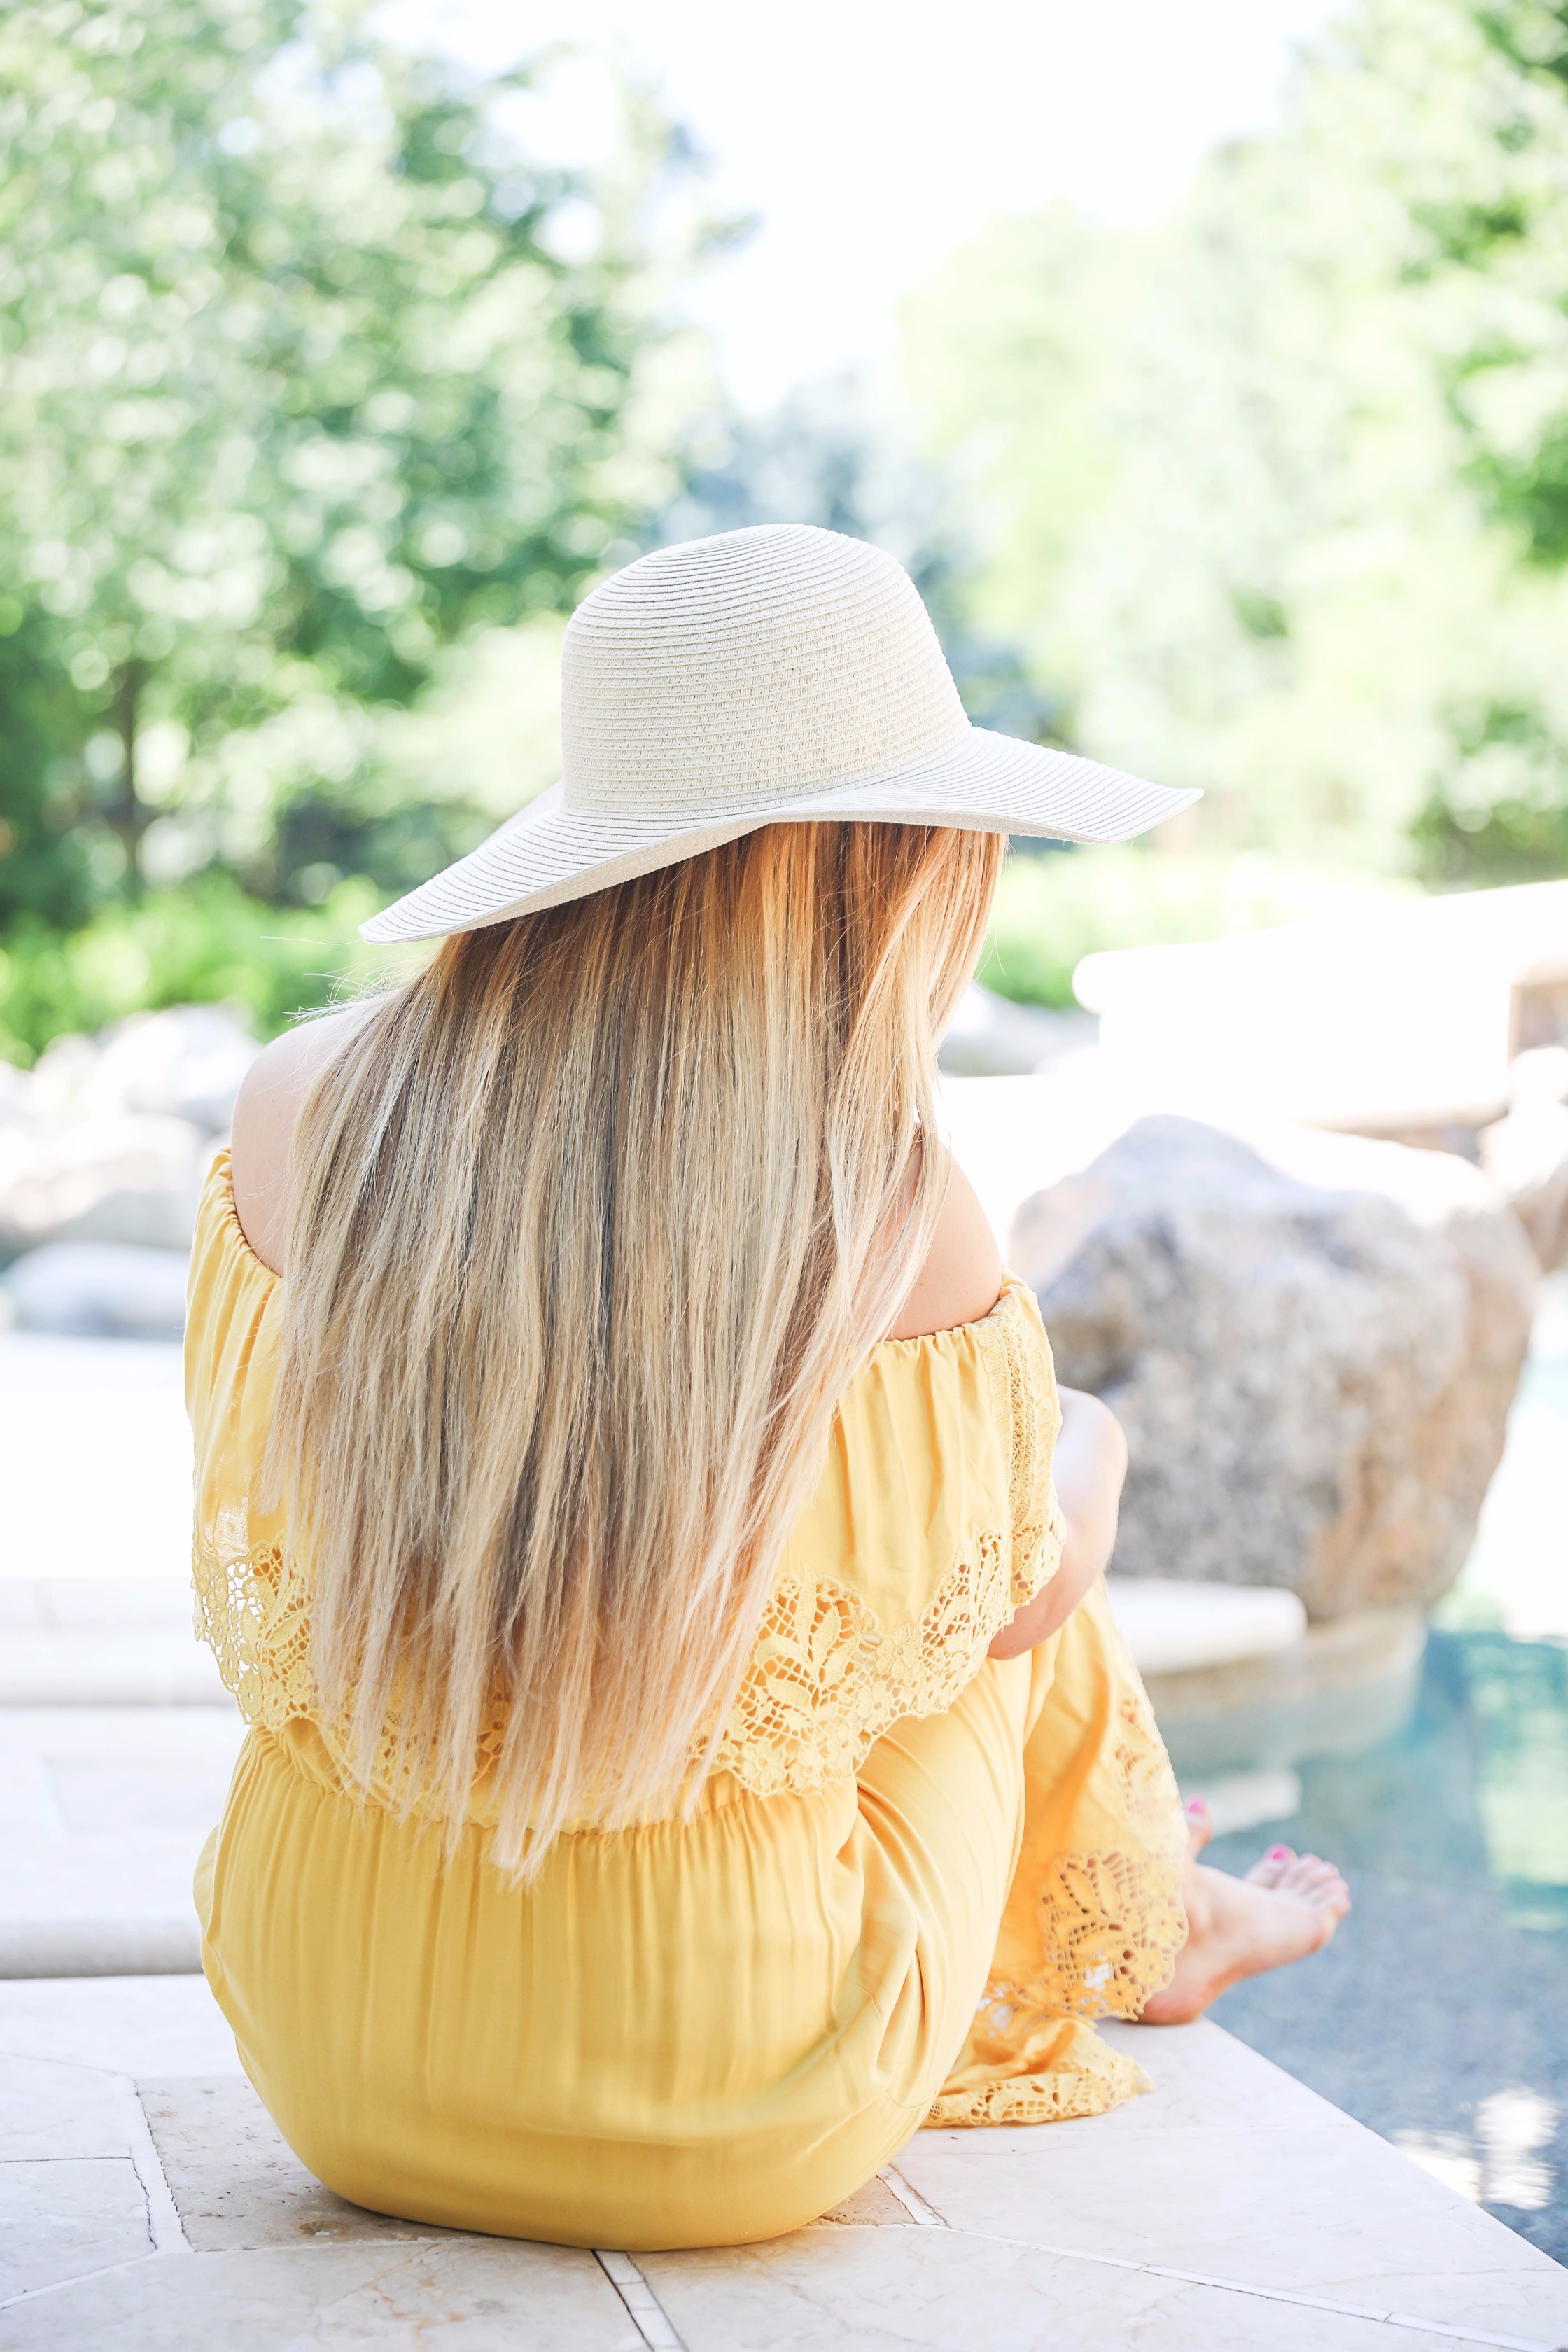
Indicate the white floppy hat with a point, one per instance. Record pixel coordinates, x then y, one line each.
781 672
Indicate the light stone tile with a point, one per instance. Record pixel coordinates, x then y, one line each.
235 2180
103 1811
68 2216
468 2295
48 2110
118 1666
94 1944
1204 2075
826 2290
1201 2076
874 2206
141 2026
1339 2214
90 1603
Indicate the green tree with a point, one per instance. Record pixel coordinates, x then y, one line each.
306 371
1282 504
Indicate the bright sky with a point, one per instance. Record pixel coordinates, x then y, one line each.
872 135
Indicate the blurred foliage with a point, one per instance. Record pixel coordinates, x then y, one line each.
1054 906
1275 500
205 943
322 401
824 456
307 373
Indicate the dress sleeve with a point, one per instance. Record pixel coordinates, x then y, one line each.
836 1661
250 1606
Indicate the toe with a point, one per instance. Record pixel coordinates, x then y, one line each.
1273 1866
1200 1825
1309 1876
1318 1884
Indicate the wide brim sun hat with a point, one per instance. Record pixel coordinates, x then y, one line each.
778 674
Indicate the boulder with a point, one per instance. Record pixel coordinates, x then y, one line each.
15 1094
1526 1153
1312 1341
123 1177
97 1290
989 1037
184 1063
108 1139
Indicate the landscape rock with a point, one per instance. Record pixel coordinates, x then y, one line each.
1311 1340
97 1290
989 1037
15 1098
109 1138
125 1177
185 1063
1526 1153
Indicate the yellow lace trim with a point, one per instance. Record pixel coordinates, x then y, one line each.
822 1684
825 1682
1113 1921
252 1609
825 1679
1095 2079
1112 1924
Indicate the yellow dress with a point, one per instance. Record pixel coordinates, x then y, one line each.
917 1875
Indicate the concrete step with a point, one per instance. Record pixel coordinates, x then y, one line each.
109 1640
132 1666
153 2203
103 1811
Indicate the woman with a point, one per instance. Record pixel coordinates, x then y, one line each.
691 1748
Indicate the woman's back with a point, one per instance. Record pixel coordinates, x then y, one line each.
689 1745
703 2025
960 1280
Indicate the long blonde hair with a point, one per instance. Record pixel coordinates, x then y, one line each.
591 1224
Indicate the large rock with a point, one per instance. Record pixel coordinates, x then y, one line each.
989 1037
1312 1343
123 1177
184 1063
97 1290
109 1138
1527 1152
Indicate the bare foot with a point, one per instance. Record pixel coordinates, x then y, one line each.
1286 1905
1199 1827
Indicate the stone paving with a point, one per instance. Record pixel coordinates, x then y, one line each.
154 2205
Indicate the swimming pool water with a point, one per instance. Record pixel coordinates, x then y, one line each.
1440 2014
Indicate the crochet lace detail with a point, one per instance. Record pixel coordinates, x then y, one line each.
1113 1921
1094 2079
252 1608
824 1680
1111 1926
822 1684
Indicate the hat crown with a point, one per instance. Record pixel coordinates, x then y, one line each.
746 668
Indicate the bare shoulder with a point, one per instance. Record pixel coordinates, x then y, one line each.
962 1275
265 1118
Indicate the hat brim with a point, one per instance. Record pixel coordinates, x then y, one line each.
549 853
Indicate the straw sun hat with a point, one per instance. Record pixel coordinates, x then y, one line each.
777 673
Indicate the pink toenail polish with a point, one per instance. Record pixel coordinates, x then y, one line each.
1278 1853
1194 1805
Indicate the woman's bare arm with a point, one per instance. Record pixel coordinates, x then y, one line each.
1089 1467
962 1275
960 1282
